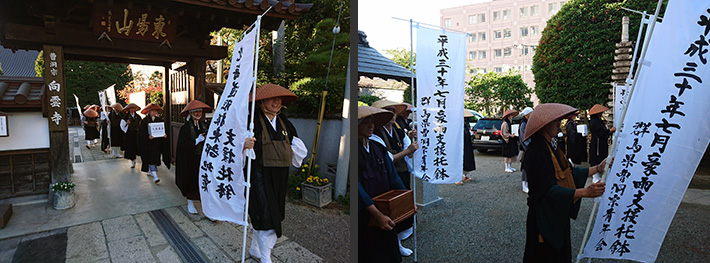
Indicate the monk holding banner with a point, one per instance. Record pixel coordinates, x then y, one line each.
273 143
191 141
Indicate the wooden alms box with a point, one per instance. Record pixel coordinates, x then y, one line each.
397 204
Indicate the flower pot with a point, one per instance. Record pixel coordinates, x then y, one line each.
63 199
318 196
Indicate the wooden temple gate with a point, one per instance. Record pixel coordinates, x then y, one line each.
159 32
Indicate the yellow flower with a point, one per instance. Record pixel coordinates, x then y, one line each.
303 170
305 165
298 188
310 180
325 180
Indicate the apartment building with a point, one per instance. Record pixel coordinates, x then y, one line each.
503 34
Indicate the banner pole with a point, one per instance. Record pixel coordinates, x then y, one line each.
412 181
257 27
616 134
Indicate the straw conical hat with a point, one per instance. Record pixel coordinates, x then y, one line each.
467 113
87 107
152 107
381 116
398 106
509 112
132 106
95 107
597 109
91 113
117 107
545 114
194 104
268 91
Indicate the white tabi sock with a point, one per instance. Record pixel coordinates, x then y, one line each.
267 240
133 163
191 207
155 177
254 248
405 233
403 250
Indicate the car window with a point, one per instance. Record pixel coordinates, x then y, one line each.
488 124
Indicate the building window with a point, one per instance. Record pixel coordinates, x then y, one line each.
472 37
483 71
551 8
497 53
524 51
498 70
523 11
497 34
482 55
496 16
506 14
534 10
524 31
507 52
481 36
447 22
534 30
507 33
472 55
481 18
471 19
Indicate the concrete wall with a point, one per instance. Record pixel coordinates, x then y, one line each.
28 130
329 143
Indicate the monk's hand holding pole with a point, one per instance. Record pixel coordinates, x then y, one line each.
383 222
597 168
249 143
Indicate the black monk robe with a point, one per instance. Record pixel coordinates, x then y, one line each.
187 158
151 150
550 205
267 201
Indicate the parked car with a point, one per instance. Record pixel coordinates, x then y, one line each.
486 134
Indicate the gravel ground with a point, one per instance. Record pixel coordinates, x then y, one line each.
325 232
484 221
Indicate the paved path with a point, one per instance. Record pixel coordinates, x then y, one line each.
115 220
484 221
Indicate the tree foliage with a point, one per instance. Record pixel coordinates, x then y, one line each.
307 43
575 55
152 86
86 79
403 58
367 99
494 92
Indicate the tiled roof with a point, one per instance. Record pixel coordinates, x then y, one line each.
371 63
20 63
21 92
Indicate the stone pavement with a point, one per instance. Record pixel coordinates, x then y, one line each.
122 216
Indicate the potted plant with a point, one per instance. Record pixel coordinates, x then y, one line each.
63 193
315 190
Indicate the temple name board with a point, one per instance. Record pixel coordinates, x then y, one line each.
119 21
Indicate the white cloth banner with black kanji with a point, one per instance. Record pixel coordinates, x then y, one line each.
221 169
665 134
441 67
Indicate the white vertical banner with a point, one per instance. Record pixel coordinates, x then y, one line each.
111 94
139 99
102 99
441 66
221 171
620 96
78 107
666 132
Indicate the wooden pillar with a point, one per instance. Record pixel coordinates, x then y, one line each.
196 69
56 100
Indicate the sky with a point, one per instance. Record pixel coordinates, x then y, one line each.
383 32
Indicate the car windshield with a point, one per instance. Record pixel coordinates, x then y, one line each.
488 124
